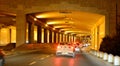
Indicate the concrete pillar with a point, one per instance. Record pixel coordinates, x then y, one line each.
31 32
61 37
67 37
98 40
107 26
42 37
10 31
54 37
20 28
39 32
50 36
45 35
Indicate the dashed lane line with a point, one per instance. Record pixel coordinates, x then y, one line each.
42 58
47 56
32 63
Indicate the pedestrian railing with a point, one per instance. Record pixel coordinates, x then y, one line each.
115 60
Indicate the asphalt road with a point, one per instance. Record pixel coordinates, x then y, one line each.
39 59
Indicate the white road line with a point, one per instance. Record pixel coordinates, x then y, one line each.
42 58
48 56
32 63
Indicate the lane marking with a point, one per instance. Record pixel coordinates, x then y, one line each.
42 58
32 63
48 56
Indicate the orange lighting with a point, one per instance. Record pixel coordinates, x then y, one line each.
53 28
35 19
46 25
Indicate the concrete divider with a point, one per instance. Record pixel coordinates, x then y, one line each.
95 53
105 57
110 58
113 60
98 54
96 61
116 61
101 54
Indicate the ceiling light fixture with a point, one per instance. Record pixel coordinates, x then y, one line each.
46 25
53 28
35 19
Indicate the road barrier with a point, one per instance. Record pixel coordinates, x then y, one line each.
110 58
101 54
105 57
115 60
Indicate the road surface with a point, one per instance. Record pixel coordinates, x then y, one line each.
40 59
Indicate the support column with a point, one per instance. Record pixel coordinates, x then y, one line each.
48 33
42 38
20 28
39 30
67 37
31 32
54 37
45 35
50 36
61 37
10 35
58 37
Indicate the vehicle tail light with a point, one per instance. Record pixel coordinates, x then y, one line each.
71 47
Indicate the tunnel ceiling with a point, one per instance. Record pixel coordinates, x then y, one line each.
7 19
75 22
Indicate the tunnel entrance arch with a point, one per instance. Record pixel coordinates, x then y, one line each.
64 6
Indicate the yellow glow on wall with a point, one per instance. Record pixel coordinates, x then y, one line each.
98 32
42 40
53 37
35 33
41 16
62 26
4 36
48 36
27 33
13 35
56 37
59 22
